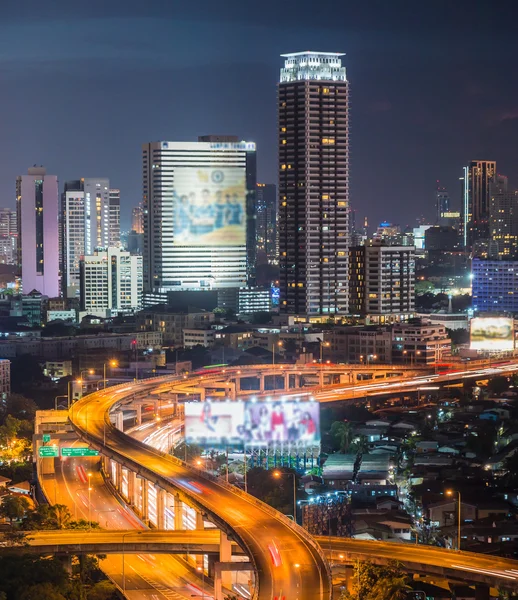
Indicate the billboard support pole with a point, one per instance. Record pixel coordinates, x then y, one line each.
246 482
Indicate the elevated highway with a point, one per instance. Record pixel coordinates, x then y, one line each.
286 560
468 567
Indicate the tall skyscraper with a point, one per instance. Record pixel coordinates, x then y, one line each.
442 203
313 111
266 224
137 219
476 194
503 219
199 214
37 217
90 219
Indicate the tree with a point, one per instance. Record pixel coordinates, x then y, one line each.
341 431
424 287
498 385
61 516
394 587
14 507
41 591
20 407
25 372
16 538
103 590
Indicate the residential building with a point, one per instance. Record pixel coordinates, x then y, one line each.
199 214
137 219
8 237
56 369
382 282
237 337
420 343
494 285
313 120
111 282
171 323
198 337
503 222
253 300
266 224
37 218
370 344
5 378
476 194
90 219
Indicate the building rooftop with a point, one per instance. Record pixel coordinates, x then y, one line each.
310 65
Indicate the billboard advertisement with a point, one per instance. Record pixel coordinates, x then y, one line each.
277 425
492 333
209 206
214 423
287 425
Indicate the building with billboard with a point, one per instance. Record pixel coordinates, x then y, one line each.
494 286
313 138
492 334
198 215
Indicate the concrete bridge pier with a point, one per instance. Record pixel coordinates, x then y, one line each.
160 507
178 513
119 420
481 591
138 418
261 383
132 478
225 555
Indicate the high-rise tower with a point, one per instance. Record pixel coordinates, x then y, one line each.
476 196
313 120
37 218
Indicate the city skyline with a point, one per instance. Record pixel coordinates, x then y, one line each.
420 108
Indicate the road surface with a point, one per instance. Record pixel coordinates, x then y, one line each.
287 561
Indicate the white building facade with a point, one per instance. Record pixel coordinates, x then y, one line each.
198 214
111 282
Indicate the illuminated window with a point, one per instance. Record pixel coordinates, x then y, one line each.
325 90
283 129
325 197
284 203
341 253
284 142
342 203
283 167
373 295
325 260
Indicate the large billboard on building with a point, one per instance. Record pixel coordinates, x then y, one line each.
214 424
285 426
209 206
492 333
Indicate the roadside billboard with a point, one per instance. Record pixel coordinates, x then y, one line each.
209 206
278 425
492 333
213 424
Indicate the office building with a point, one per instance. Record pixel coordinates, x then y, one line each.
37 218
313 119
495 286
137 219
382 282
476 194
266 224
371 344
199 214
442 203
90 219
172 323
254 300
111 282
503 221
8 236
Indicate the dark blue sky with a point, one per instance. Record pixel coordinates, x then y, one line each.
433 85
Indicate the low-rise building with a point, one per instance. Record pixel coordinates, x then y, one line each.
238 337
420 343
254 300
171 323
5 378
56 369
198 337
361 344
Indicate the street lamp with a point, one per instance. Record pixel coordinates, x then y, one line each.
80 381
279 343
111 363
371 357
278 475
56 400
89 501
451 493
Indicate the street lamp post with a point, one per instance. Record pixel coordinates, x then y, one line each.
56 400
278 475
450 493
279 343
80 381
111 363
371 357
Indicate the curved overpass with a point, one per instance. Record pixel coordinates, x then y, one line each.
299 570
469 567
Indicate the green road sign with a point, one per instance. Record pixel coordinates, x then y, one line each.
77 452
49 451
46 438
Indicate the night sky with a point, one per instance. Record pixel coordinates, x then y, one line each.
433 85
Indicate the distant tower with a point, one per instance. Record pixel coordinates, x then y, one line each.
442 203
476 195
313 119
37 218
